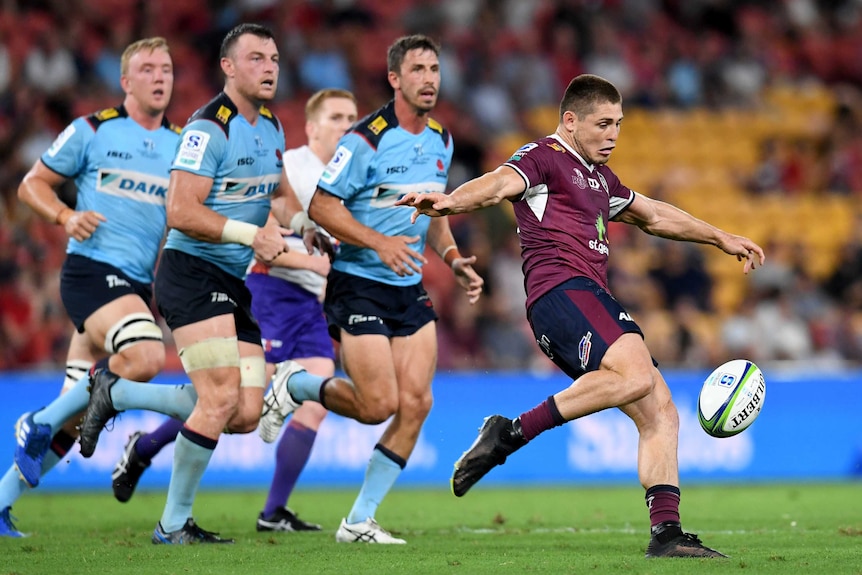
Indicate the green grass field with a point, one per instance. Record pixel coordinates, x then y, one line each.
766 529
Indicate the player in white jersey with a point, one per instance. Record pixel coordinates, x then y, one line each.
119 159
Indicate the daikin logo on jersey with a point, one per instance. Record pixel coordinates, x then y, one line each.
133 186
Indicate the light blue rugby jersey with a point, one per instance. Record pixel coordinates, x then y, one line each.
245 164
121 170
376 163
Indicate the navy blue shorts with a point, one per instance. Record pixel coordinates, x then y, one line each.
291 319
362 306
190 289
576 323
86 285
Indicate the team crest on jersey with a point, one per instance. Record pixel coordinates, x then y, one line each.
61 140
519 153
223 114
579 180
336 165
556 147
377 125
192 149
601 228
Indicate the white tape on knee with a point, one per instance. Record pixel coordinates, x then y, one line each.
75 370
210 353
132 329
252 372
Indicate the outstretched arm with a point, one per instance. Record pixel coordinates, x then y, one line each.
667 221
486 190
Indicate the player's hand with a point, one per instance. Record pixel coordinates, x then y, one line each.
434 204
314 238
744 249
81 225
467 277
269 243
395 252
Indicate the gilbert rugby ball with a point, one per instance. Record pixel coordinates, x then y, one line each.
731 398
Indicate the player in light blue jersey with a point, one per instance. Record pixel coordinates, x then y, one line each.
119 159
375 302
225 179
286 301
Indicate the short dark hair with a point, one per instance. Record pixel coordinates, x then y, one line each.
585 92
232 37
397 51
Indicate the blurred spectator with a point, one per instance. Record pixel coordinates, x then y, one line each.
681 276
50 66
106 66
322 65
5 66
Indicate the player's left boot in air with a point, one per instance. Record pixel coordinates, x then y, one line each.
100 408
498 438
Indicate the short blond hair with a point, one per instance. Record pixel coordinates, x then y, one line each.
148 44
315 102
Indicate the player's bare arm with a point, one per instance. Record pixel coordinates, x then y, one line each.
328 211
487 190
287 209
187 213
442 241
38 190
664 220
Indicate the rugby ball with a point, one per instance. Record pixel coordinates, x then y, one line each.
731 398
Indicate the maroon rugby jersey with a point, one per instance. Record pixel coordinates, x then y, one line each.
563 215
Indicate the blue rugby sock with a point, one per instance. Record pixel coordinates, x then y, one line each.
176 401
383 469
192 453
304 386
11 484
65 406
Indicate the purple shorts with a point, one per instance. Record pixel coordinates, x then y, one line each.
291 319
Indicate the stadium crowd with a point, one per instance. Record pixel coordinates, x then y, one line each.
504 63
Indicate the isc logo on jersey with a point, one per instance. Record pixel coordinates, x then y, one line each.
192 149
336 165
